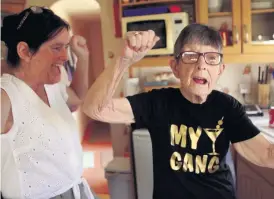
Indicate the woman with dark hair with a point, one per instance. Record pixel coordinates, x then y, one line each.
41 151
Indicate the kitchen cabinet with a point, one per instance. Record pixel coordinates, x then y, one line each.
248 29
253 182
224 15
258 24
12 6
249 22
111 44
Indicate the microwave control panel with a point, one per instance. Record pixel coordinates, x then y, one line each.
179 23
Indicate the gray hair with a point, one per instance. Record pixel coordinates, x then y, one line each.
198 34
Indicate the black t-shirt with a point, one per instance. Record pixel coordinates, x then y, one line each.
187 164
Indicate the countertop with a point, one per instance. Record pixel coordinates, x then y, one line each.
262 123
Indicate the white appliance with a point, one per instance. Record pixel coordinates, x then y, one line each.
142 159
167 26
120 181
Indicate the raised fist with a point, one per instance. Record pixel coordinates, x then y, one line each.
137 44
78 45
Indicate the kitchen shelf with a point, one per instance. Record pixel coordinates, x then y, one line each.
149 2
263 11
219 14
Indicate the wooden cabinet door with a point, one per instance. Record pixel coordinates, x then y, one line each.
258 27
12 6
228 12
253 182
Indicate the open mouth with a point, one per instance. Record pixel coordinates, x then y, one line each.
200 80
56 69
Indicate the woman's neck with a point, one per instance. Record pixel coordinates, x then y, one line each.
195 99
28 79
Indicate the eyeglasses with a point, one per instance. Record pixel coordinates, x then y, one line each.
191 57
34 10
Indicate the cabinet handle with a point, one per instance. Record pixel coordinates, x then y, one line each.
235 34
110 54
246 36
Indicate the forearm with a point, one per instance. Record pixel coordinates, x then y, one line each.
103 89
258 150
79 82
267 159
249 155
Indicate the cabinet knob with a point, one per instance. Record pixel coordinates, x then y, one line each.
235 34
245 33
110 54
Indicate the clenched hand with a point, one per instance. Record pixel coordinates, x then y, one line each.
137 44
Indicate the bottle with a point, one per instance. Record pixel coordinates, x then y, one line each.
272 88
271 117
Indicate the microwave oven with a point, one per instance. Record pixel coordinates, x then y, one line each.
167 26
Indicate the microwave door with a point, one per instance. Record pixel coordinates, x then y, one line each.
158 26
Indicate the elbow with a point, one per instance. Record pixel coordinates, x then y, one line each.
92 110
92 113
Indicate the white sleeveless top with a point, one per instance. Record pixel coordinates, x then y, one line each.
41 155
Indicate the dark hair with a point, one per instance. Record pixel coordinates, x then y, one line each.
30 27
198 34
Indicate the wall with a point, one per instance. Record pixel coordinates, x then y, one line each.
46 3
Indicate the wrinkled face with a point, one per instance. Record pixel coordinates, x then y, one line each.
198 78
46 62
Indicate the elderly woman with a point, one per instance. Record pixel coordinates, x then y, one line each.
41 151
191 127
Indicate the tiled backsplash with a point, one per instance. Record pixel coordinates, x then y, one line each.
230 79
233 76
